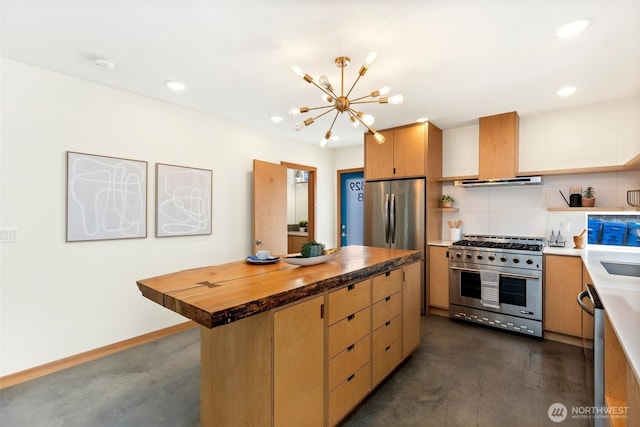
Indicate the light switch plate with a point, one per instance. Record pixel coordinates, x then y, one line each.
8 234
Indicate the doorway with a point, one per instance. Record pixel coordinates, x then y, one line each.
350 206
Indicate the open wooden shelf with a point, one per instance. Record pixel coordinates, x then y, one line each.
594 209
450 210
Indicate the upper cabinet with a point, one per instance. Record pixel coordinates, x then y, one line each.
499 146
405 152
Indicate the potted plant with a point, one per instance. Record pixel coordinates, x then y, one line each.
311 249
303 225
446 200
588 197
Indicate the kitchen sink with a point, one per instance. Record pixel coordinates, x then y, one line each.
622 268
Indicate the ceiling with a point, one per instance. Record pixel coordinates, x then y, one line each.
453 61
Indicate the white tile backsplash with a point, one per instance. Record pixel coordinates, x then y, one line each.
523 210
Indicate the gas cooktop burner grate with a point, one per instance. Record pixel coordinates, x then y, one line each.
529 244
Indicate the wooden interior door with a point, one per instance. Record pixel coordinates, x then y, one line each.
269 207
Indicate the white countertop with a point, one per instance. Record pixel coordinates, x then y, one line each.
620 296
440 242
298 233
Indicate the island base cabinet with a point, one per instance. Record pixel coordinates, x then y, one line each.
347 395
235 373
411 308
298 365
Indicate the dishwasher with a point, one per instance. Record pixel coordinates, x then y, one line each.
597 311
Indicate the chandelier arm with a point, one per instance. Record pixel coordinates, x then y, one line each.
369 128
334 120
324 106
353 85
326 112
328 92
373 101
362 97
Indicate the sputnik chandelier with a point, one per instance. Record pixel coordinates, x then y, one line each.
341 103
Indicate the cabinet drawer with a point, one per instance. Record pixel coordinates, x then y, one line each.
348 330
386 309
384 362
386 334
344 398
386 284
348 361
348 300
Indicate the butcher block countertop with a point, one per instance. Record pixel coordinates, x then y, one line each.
216 295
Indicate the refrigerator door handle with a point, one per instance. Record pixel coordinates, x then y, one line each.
386 218
392 219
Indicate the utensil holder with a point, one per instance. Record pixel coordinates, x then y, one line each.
454 234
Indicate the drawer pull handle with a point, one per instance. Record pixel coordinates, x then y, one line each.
351 287
351 347
388 348
351 377
388 323
387 299
388 273
350 317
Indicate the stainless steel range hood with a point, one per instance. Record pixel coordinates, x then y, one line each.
504 182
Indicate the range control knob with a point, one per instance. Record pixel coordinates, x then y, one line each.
516 260
479 256
492 258
458 255
529 261
467 256
503 258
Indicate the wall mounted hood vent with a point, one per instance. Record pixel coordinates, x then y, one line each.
504 182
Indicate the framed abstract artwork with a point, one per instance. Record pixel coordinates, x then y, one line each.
106 198
183 200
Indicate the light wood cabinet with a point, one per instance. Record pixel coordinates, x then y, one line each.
348 348
294 243
438 277
387 334
562 284
498 156
621 386
404 153
298 365
411 307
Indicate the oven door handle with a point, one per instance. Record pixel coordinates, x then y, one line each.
516 276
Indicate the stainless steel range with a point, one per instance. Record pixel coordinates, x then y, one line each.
497 281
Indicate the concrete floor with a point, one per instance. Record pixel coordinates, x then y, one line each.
461 375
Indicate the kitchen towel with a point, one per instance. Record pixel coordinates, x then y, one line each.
490 288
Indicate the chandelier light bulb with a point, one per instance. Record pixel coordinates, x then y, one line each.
298 126
378 137
371 58
396 99
354 122
325 83
294 111
384 90
324 143
368 119
297 71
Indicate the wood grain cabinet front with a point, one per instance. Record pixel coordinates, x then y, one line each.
344 398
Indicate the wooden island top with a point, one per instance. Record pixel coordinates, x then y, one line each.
217 295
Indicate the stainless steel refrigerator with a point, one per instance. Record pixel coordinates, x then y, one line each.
395 217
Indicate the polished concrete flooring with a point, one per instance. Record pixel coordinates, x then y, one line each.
462 375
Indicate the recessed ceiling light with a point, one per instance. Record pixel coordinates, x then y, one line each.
422 119
573 28
176 86
104 63
275 118
566 91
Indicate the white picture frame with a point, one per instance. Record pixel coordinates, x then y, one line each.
183 200
106 198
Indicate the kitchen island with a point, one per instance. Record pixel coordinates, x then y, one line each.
288 345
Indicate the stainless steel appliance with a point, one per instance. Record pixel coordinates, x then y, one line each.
497 281
395 217
597 311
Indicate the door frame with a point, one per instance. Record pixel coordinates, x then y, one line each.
340 172
311 202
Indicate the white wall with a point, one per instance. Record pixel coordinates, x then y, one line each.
58 299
